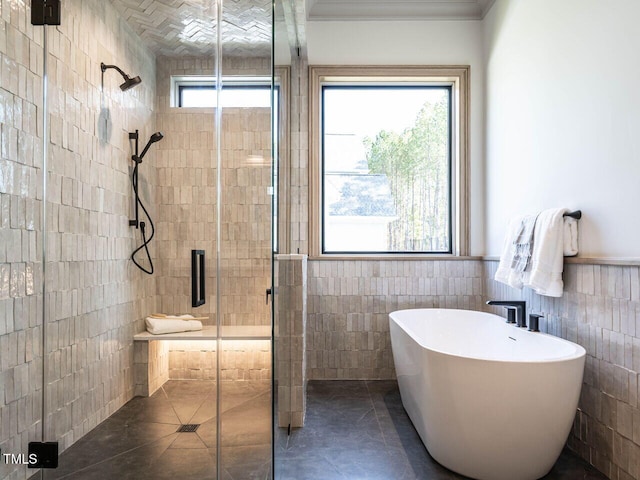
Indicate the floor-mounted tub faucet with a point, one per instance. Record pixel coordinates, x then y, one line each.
515 308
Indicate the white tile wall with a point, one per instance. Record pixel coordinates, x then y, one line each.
600 310
20 238
299 154
158 361
349 302
96 298
290 325
93 295
187 198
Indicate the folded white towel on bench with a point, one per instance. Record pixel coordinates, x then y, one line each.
172 324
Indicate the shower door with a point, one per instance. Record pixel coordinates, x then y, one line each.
245 239
206 183
95 299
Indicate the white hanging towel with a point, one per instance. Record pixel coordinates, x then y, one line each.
570 237
547 259
554 237
505 273
172 324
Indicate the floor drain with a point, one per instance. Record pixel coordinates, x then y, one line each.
189 427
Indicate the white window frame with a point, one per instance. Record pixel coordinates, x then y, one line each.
455 76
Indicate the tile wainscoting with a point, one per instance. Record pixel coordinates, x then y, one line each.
599 310
349 302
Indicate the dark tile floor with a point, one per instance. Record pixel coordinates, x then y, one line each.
354 430
359 430
140 441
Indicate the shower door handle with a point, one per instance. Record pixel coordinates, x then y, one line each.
267 293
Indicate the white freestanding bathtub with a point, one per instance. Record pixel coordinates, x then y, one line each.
490 400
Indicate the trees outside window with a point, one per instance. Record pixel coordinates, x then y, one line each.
386 169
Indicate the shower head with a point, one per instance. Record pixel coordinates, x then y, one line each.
128 81
156 137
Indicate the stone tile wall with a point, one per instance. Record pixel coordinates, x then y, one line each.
299 158
21 101
187 198
95 297
246 216
151 367
349 302
158 361
98 296
599 310
192 360
290 330
245 360
241 360
186 194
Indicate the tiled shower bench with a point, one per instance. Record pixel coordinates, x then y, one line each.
151 352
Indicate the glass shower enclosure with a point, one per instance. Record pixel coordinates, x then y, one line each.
201 199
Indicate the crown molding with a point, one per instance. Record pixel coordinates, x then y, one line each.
372 10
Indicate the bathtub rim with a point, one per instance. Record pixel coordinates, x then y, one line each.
579 351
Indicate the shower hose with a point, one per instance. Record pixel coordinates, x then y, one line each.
145 240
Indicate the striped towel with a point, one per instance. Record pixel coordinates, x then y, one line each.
523 244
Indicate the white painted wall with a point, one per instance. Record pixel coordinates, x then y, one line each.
415 43
563 117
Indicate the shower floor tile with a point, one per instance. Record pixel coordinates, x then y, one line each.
353 430
359 430
140 442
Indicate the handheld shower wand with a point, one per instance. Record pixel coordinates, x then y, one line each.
137 159
156 137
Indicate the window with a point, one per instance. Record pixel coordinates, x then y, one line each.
388 169
200 92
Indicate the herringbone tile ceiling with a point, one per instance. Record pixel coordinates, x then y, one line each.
188 27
